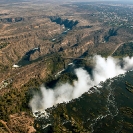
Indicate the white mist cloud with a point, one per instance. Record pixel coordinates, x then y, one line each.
104 69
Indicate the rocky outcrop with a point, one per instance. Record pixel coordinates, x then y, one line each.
21 122
110 33
66 22
25 38
11 20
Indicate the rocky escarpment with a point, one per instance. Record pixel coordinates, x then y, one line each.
111 32
11 20
38 35
74 43
26 37
66 22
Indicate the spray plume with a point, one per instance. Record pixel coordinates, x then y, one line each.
104 68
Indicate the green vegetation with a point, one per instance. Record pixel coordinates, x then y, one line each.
88 111
76 115
67 77
127 112
55 63
125 50
16 100
129 87
11 103
3 45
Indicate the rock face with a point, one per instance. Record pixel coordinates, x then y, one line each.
111 32
29 56
19 44
12 20
67 23
49 35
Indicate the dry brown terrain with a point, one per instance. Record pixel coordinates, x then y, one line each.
29 31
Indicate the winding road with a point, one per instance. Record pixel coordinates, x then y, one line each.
119 46
116 48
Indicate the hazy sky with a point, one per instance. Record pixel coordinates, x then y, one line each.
104 0
123 1
12 1
71 0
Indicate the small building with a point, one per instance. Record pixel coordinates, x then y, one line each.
15 66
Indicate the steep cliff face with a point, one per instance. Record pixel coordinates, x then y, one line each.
39 35
49 34
66 22
111 32
20 44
